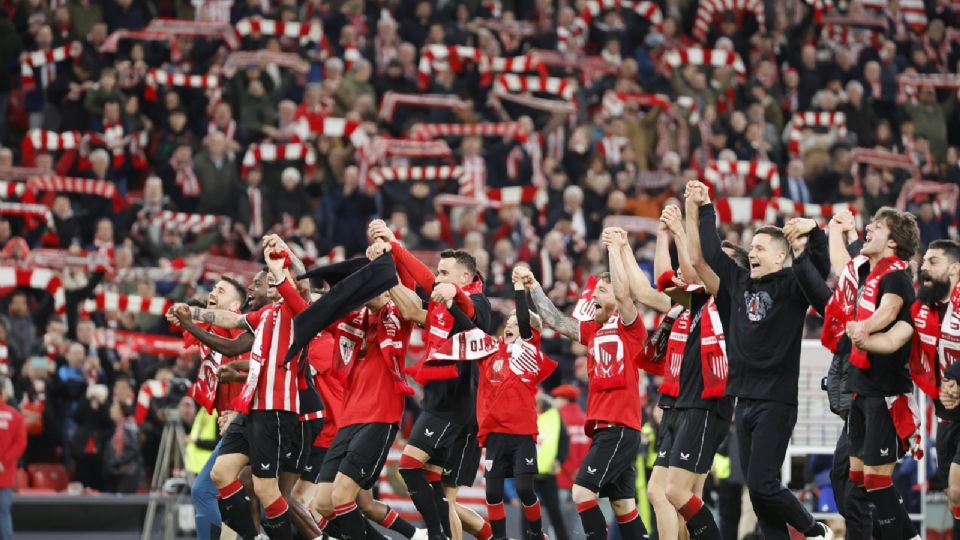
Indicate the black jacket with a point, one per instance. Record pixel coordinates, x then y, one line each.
774 305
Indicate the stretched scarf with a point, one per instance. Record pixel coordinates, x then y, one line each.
437 328
868 302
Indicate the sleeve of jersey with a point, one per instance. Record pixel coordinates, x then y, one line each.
253 318
463 301
899 284
634 335
419 271
291 297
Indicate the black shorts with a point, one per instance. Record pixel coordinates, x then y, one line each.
235 438
699 433
276 442
310 430
610 467
435 436
665 437
873 438
314 464
463 462
948 448
358 451
510 455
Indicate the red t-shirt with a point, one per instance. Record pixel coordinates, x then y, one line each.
613 351
326 379
370 395
276 386
226 392
507 391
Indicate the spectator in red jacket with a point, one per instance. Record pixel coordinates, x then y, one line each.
13 441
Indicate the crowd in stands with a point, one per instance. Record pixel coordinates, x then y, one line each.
514 130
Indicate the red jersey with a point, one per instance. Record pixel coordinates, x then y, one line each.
223 394
507 391
13 442
271 384
371 393
613 351
327 381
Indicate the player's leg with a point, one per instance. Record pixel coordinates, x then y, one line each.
524 457
204 495
429 434
232 500
382 514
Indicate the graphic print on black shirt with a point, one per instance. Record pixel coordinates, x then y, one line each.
889 374
952 372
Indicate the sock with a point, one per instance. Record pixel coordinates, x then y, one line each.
594 524
443 509
278 519
394 522
485 532
884 497
699 520
532 515
955 510
352 524
857 477
817 529
411 470
235 510
498 519
631 526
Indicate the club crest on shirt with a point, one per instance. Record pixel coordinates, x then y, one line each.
346 349
757 303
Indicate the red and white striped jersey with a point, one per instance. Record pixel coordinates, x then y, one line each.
276 383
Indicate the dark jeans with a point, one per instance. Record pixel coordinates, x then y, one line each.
763 431
730 503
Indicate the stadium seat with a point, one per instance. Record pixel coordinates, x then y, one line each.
48 476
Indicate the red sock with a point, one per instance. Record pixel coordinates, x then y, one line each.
390 518
955 510
409 462
345 508
432 476
532 512
585 506
628 517
276 508
691 508
229 490
495 512
857 477
485 532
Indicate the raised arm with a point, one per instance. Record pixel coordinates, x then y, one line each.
841 224
661 257
284 280
692 225
640 287
814 288
523 312
713 255
552 317
422 274
216 317
221 344
273 242
614 240
408 304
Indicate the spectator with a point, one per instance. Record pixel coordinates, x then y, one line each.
930 118
123 15
83 15
93 429
104 91
13 442
292 202
122 460
10 47
797 188
21 329
217 174
44 429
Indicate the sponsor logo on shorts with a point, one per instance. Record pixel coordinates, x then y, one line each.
591 470
428 433
884 452
447 471
529 461
488 464
363 472
684 457
308 468
265 466
662 453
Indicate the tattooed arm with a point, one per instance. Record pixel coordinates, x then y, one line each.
552 317
216 317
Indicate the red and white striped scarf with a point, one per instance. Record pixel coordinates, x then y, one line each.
750 171
311 32
379 175
705 57
9 190
127 303
158 77
474 179
37 59
30 212
909 85
648 10
482 129
709 9
611 148
186 177
184 221
614 102
68 184
543 104
241 59
391 100
38 140
35 278
511 83
747 210
149 391
803 120
260 152
4 359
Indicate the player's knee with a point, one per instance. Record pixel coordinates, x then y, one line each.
677 495
581 494
266 489
657 494
323 502
220 475
527 495
623 506
953 494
